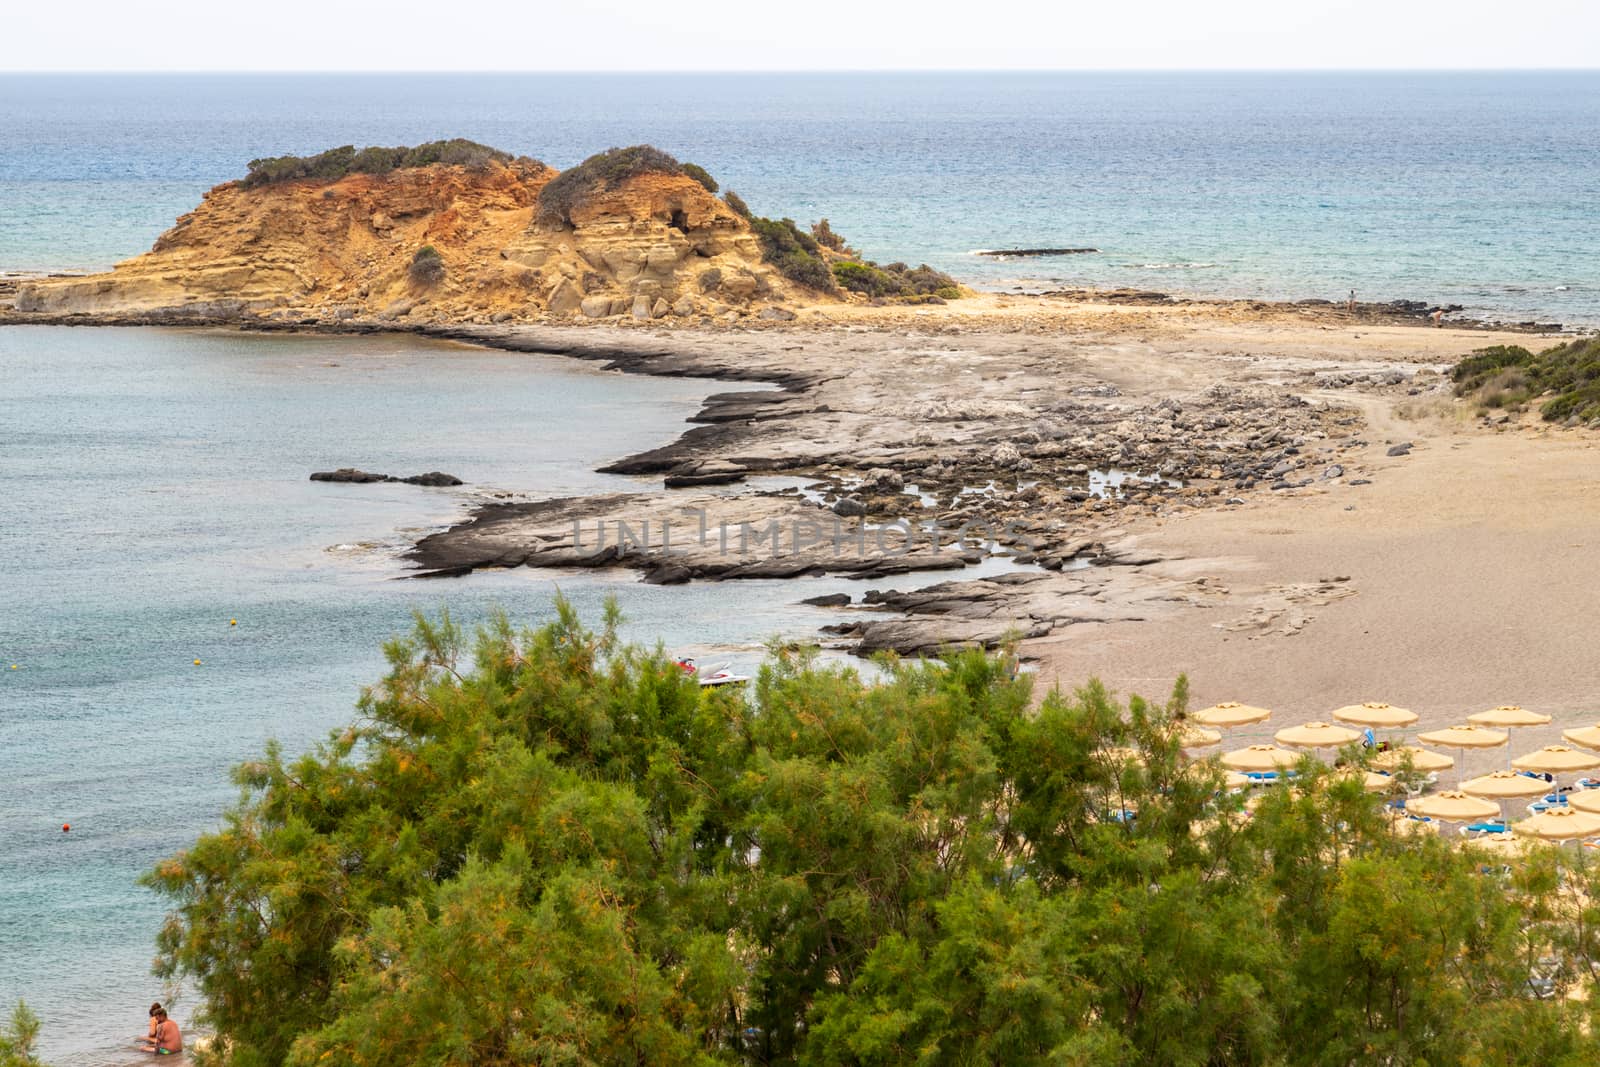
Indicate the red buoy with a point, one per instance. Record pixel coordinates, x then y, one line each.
66 826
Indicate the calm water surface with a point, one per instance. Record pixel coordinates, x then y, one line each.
152 488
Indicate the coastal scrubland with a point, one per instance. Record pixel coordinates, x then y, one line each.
547 846
1566 377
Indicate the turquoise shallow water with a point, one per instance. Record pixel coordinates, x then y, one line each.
1471 188
152 487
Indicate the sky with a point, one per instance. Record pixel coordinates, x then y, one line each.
653 35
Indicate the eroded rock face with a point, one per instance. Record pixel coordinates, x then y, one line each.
341 250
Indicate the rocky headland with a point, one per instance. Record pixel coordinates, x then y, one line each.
1053 439
456 232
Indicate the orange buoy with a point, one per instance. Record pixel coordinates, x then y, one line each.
233 622
197 663
66 827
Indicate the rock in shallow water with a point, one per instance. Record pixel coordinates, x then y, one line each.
352 474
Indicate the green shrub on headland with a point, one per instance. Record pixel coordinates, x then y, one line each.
547 847
701 175
336 163
895 280
793 252
607 170
1510 376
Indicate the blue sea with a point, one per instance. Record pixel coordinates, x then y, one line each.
153 483
1477 189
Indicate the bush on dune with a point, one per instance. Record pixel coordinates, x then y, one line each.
545 846
895 280
1510 376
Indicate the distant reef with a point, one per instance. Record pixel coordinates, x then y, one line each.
454 231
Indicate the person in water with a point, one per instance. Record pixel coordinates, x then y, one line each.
164 1039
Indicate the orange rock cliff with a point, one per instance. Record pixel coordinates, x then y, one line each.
649 246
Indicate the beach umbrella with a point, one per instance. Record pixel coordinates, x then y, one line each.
1501 786
1557 759
1464 737
1583 800
1260 758
1316 735
1371 781
1453 806
1586 736
1559 824
1376 714
1229 714
1421 759
1196 736
1505 785
1508 717
1501 842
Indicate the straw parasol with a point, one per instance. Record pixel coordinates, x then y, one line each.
1260 758
1508 716
1422 759
1230 713
1316 735
1584 736
1501 786
1454 806
1556 759
1464 737
1505 785
1584 800
1559 824
1501 842
1376 714
1371 781
1198 737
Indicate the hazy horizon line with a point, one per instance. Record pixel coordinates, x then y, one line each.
292 72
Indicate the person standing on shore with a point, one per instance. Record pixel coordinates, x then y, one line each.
1437 316
1350 305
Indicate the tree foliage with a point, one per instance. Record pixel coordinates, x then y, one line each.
18 1037
548 847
